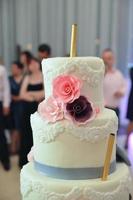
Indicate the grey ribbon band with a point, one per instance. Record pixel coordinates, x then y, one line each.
72 173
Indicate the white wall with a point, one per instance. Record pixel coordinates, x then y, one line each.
101 24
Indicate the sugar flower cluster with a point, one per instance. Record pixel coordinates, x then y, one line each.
67 102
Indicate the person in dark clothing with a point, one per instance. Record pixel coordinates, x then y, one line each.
44 51
130 110
32 92
25 59
16 104
4 111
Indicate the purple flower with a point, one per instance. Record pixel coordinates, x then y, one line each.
80 110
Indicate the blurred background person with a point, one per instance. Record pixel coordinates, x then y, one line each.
44 51
31 93
114 82
130 110
16 104
4 111
25 59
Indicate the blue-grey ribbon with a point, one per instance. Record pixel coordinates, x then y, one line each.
72 173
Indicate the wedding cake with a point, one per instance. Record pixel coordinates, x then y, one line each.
70 131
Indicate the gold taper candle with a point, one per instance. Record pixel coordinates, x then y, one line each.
73 49
108 157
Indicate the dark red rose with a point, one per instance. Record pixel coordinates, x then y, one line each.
80 110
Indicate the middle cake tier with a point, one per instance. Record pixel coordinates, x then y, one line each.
66 145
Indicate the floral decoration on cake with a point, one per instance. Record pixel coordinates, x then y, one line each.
66 88
51 109
67 102
80 110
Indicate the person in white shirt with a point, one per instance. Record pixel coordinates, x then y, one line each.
4 111
114 82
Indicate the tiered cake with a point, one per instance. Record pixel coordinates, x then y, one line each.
70 131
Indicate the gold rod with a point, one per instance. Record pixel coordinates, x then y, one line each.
108 157
73 49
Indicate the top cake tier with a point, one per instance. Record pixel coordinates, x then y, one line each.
88 69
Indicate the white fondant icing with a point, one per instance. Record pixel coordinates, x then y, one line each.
34 185
98 129
88 69
64 144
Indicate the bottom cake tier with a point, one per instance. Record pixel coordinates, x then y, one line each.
36 186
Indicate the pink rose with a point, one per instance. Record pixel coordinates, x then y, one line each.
30 155
66 88
51 110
